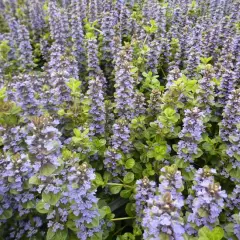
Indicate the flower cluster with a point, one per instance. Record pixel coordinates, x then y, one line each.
208 202
119 119
162 218
190 135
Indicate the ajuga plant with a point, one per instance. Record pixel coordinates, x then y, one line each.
119 120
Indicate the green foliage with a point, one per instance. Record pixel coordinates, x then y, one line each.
206 234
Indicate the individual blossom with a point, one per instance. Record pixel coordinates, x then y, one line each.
190 134
145 190
162 218
97 107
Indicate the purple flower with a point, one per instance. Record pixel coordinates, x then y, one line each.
162 216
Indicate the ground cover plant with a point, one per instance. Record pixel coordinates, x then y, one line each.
119 119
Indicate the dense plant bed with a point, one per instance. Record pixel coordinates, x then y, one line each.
119 119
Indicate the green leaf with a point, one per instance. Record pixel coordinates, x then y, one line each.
71 225
96 236
94 223
6 214
205 232
47 169
169 112
130 163
77 132
99 180
59 235
128 178
2 93
125 193
115 189
51 198
34 180
217 233
130 210
40 207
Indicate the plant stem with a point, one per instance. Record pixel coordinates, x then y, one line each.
124 218
119 184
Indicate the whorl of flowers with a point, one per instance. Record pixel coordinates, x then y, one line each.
208 202
14 194
145 190
125 21
162 218
121 136
24 47
190 135
233 200
61 68
236 226
139 104
77 33
154 55
83 199
206 87
171 181
229 129
124 84
43 141
97 107
26 228
108 33
154 104
93 10
59 25
227 85
193 59
173 75
112 156
25 95
92 58
36 16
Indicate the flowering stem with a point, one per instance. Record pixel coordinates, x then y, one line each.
124 218
119 184
98 30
